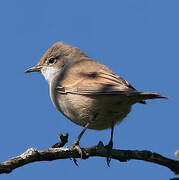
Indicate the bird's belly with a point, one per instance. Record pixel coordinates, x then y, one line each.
101 111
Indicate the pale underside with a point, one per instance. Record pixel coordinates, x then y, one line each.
93 95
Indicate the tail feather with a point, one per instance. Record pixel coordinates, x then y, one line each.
142 96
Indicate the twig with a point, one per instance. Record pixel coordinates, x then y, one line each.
63 140
33 155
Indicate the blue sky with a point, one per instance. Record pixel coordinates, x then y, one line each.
138 40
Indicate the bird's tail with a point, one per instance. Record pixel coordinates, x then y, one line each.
142 96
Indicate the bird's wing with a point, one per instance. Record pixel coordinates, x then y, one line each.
94 81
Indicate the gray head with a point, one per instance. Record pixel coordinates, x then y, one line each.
55 58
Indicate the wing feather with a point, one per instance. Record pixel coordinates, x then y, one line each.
96 83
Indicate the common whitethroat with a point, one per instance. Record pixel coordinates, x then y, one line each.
86 91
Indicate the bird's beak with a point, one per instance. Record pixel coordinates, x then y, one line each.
35 68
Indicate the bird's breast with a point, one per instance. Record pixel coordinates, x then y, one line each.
101 111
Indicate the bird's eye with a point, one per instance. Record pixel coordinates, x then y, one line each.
51 61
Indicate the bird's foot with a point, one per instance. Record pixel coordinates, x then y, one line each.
109 148
78 148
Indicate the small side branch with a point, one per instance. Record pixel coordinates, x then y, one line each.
33 155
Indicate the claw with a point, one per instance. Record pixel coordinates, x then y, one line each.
75 161
109 147
76 143
78 148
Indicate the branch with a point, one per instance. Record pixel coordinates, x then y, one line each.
33 155
177 154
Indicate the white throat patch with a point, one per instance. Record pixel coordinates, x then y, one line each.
49 73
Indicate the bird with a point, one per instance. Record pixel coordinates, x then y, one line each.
86 91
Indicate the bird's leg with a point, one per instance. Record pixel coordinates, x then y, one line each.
76 142
110 145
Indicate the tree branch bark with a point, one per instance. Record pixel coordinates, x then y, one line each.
33 155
